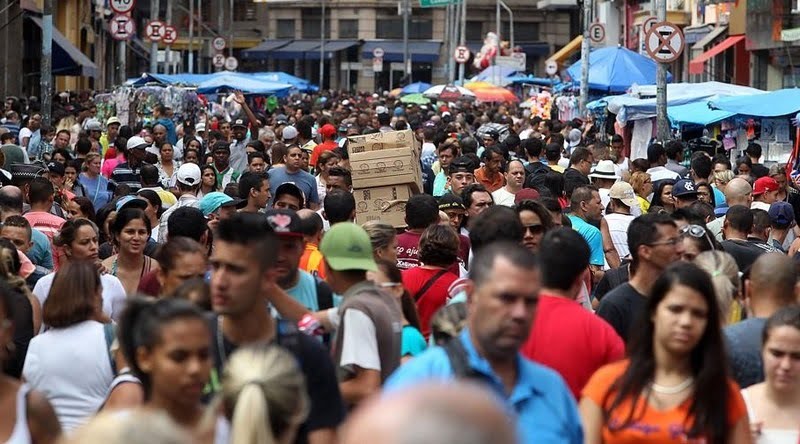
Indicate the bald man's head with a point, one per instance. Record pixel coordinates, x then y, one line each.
454 413
773 276
11 200
738 192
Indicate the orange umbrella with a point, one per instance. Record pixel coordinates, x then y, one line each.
496 94
479 85
396 92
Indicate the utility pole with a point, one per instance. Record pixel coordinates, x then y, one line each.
122 61
448 32
200 67
498 24
47 61
155 6
230 31
587 21
662 125
461 66
168 52
406 57
322 47
190 53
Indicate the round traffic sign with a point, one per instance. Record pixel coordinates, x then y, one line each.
461 54
218 43
154 30
170 35
219 60
122 27
122 6
664 42
648 23
597 32
231 64
378 53
551 67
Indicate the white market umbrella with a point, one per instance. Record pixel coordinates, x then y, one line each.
448 93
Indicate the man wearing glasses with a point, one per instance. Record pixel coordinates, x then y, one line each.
654 244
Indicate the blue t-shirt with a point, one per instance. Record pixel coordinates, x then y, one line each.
41 253
744 350
540 402
96 190
412 343
305 181
305 291
593 238
439 182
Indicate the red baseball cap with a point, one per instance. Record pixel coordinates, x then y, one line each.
327 130
765 184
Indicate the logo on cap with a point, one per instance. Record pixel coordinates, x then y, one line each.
280 222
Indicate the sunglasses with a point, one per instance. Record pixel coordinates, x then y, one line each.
534 229
697 232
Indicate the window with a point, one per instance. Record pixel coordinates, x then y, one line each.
244 11
523 32
285 29
392 28
348 29
475 31
312 23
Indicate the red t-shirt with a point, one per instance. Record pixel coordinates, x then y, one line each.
434 297
149 284
407 247
571 340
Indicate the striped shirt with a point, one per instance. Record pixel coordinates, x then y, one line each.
124 174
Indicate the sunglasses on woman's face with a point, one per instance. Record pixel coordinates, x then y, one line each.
534 229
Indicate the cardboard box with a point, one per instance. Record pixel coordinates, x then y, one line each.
382 141
387 204
386 167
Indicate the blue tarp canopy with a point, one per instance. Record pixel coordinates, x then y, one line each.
641 102
263 50
68 60
782 102
198 79
615 69
246 84
696 113
416 88
493 72
419 51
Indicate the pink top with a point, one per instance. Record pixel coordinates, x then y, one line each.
110 164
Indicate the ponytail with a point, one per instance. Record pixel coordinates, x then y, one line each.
248 424
264 395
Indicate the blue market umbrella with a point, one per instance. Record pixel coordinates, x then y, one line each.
495 72
416 88
247 85
615 69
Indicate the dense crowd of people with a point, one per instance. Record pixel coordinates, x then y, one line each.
206 278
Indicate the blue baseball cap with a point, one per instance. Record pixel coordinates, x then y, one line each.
131 201
684 187
781 213
213 201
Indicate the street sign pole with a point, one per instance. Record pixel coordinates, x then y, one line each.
662 125
168 53
155 5
462 67
47 61
587 22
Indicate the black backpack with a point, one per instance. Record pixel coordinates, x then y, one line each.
534 175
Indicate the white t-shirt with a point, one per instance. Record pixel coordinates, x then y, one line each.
71 367
503 197
359 344
113 293
23 133
618 228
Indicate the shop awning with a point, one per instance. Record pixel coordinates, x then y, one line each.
295 50
697 65
68 60
263 50
534 48
570 48
420 51
331 47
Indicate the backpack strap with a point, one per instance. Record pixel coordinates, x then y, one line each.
108 332
419 294
459 360
324 294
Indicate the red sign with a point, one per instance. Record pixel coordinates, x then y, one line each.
155 30
122 27
170 35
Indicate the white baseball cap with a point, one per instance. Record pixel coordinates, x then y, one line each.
189 174
136 142
200 127
289 133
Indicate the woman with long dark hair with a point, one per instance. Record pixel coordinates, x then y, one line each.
675 386
662 195
129 234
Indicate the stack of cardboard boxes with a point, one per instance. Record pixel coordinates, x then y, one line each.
386 172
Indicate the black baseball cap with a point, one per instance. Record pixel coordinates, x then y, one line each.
285 223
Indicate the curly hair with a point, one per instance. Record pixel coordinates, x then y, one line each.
438 246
